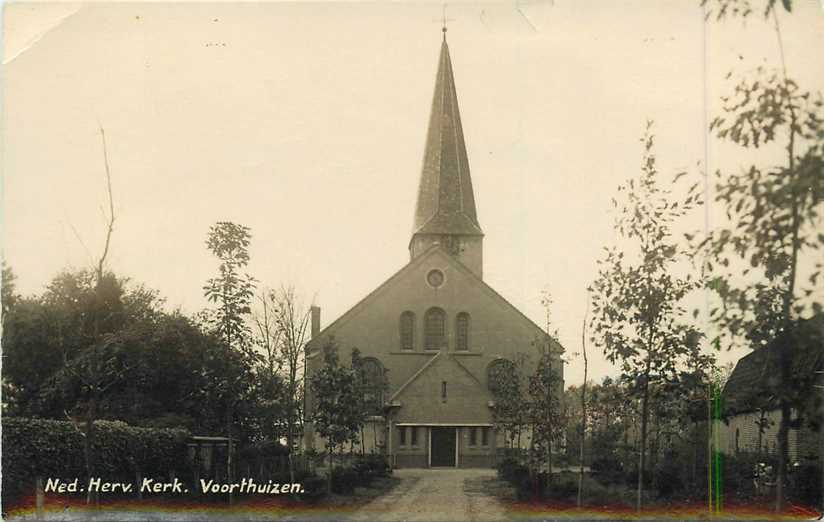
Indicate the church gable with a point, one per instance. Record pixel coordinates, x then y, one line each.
443 392
391 323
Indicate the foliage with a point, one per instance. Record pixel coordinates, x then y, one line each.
344 480
49 361
613 416
774 214
507 381
806 484
338 414
545 411
637 298
232 290
54 449
722 9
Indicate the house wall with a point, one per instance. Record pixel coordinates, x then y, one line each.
740 434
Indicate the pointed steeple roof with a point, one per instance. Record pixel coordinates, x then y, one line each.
446 203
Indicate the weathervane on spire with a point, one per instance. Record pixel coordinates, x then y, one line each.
444 19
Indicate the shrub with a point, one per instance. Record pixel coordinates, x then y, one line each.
50 448
344 481
508 467
378 465
805 484
263 450
564 487
669 477
314 488
738 473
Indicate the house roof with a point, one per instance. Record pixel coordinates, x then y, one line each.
756 376
446 202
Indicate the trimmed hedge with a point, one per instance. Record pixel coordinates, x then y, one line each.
54 449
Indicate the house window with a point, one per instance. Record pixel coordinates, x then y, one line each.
462 331
407 331
473 436
737 438
414 437
485 436
443 391
373 377
402 431
435 329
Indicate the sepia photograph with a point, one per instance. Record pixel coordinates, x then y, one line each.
412 261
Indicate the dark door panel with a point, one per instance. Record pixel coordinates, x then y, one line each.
443 447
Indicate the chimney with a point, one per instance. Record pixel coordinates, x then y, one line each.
315 320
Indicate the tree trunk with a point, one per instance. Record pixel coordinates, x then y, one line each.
230 413
783 455
290 429
290 440
329 473
643 447
583 440
583 409
88 446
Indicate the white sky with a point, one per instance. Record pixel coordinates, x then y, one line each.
307 122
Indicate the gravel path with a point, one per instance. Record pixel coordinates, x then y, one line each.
434 495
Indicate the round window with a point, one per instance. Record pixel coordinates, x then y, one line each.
434 278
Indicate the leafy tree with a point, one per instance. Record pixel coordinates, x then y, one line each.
338 413
231 291
8 293
371 386
774 220
508 386
545 411
636 298
613 415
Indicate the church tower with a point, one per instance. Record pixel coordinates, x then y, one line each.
445 212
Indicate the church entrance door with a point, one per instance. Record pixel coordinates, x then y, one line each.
442 447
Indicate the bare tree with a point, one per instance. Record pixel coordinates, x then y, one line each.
100 367
292 321
583 406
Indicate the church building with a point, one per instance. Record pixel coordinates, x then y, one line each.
431 334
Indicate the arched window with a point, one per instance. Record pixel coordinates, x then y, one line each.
435 329
407 331
462 331
500 375
373 384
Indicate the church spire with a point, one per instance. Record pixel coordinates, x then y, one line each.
445 211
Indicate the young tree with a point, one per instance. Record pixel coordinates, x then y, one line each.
371 386
583 407
545 390
774 219
545 411
232 291
338 413
636 297
271 392
509 410
292 320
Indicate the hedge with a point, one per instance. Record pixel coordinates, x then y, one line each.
54 449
